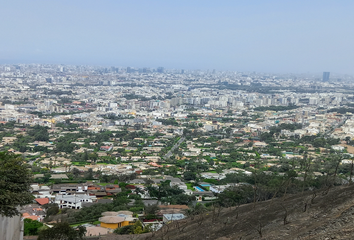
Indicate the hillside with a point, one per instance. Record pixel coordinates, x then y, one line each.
329 216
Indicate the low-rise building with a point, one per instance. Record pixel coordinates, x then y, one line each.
73 201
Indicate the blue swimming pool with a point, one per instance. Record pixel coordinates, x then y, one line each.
205 185
199 189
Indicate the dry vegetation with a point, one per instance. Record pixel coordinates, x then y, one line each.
308 216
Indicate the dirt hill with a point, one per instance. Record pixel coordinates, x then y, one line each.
329 216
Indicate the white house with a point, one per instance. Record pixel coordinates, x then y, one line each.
73 201
338 147
172 217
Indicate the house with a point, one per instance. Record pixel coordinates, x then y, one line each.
8 140
32 217
96 231
338 147
73 201
180 185
113 220
260 144
210 175
218 188
33 212
106 148
42 201
137 181
112 189
68 189
41 191
167 218
172 209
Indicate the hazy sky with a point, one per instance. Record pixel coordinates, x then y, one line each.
271 36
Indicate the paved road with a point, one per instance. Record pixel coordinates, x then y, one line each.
169 154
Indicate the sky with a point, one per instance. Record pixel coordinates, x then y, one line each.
284 36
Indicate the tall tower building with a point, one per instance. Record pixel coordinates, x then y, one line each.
325 77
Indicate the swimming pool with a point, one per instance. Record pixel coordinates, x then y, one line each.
199 189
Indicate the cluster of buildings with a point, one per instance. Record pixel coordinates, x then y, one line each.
91 93
234 107
111 98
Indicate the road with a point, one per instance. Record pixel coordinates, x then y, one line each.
169 154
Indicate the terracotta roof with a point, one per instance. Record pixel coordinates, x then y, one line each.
42 201
35 218
27 215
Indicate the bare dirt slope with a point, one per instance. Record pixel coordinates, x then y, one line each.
329 216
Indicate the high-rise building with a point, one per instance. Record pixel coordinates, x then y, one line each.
160 69
325 77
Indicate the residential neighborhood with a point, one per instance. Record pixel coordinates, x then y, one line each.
118 149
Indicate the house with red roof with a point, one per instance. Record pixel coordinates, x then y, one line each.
42 201
106 148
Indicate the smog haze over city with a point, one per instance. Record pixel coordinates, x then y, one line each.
263 36
180 120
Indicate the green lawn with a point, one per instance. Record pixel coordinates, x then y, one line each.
190 186
79 163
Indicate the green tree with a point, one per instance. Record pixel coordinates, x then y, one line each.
138 228
75 172
46 177
62 231
125 230
31 227
39 133
189 175
15 179
51 209
89 174
235 195
151 209
196 210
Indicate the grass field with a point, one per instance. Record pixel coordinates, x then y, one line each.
190 186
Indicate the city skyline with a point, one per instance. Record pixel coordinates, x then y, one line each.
157 69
